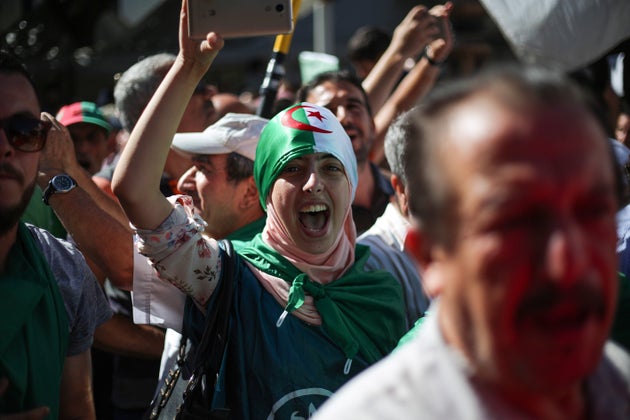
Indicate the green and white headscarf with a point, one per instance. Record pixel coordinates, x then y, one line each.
300 130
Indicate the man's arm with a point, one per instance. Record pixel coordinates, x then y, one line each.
95 221
416 83
121 336
409 39
76 400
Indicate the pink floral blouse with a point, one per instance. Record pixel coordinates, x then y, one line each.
180 252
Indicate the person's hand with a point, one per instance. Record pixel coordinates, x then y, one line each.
34 414
58 155
199 53
414 32
439 49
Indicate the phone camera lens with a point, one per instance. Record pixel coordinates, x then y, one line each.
279 7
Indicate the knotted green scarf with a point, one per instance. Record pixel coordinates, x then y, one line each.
363 312
33 331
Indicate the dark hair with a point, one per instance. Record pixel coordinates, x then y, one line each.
239 167
334 76
10 64
368 43
431 200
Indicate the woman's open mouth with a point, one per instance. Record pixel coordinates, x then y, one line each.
314 218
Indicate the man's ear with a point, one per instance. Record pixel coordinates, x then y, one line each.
250 195
428 258
400 194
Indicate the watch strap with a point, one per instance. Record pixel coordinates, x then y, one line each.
50 188
47 193
430 60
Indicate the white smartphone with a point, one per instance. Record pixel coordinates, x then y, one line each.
239 18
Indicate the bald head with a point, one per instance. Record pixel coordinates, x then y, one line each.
225 103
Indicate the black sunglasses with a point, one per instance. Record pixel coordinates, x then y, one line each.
24 133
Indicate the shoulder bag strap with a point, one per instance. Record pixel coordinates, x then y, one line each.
209 353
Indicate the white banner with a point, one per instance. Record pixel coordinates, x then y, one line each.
562 34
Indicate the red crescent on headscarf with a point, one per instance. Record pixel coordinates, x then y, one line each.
288 121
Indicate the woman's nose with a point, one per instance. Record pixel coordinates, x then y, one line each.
313 183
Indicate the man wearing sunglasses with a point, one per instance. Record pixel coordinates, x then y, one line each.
50 302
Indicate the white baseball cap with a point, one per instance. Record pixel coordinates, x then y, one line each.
238 133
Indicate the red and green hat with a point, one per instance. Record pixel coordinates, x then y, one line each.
87 112
300 130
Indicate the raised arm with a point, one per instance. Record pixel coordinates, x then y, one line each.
409 39
137 176
95 221
417 82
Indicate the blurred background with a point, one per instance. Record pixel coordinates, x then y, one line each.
76 48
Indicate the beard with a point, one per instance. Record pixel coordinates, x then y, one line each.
361 153
10 216
362 150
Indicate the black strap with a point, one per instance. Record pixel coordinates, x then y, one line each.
208 355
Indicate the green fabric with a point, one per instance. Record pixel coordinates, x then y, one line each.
362 312
242 236
34 330
410 335
620 332
39 214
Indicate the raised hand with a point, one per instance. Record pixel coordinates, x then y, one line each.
58 155
415 31
442 45
197 52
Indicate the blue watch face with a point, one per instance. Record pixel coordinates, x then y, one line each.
62 183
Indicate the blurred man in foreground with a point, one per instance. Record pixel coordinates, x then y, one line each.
515 193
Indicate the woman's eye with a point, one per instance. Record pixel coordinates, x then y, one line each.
332 165
290 169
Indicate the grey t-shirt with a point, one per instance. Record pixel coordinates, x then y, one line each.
84 300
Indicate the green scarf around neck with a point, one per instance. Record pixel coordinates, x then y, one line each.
34 329
362 311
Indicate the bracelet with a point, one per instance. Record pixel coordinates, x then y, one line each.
430 60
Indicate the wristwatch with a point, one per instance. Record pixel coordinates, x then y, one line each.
61 183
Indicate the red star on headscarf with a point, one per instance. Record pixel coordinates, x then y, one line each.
316 114
287 120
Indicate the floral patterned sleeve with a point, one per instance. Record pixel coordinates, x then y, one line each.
181 254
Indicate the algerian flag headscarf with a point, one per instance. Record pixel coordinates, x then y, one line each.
300 130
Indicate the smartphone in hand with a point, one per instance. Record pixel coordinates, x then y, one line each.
239 18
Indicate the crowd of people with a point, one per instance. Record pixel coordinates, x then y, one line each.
403 248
